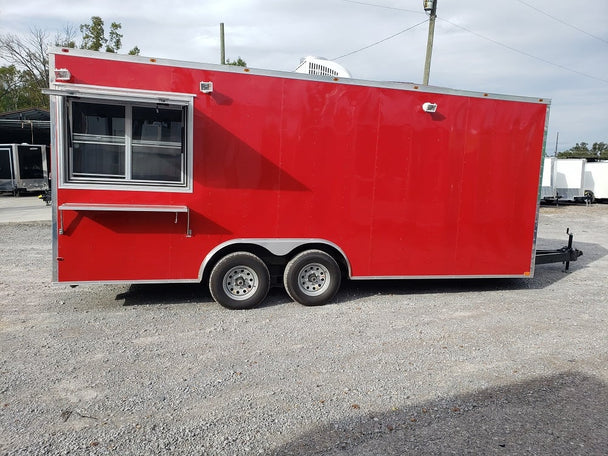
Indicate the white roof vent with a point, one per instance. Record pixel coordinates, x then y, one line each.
322 67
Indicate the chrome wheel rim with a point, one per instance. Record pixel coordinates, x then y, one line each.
313 279
240 282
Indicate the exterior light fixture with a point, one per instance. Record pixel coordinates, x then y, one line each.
206 87
62 74
429 107
428 5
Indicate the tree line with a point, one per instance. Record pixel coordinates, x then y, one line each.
597 151
27 72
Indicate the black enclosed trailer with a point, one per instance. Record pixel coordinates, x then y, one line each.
23 168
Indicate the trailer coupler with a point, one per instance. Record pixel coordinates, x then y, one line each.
564 255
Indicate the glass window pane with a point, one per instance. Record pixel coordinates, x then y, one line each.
157 163
157 143
98 119
94 159
157 124
98 140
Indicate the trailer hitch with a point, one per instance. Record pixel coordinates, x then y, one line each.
564 255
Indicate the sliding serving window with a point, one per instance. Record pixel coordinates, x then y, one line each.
133 143
98 141
157 144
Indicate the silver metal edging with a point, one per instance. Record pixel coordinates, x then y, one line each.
540 186
114 93
125 282
125 208
54 108
131 95
278 247
409 86
198 280
430 277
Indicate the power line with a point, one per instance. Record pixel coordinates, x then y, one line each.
540 59
562 22
383 6
520 1
523 52
382 40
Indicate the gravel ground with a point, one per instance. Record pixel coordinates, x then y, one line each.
393 367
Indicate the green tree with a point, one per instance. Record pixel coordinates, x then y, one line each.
67 38
237 62
18 90
31 68
9 83
601 149
598 150
27 69
94 37
115 38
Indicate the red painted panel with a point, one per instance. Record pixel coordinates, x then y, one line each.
402 192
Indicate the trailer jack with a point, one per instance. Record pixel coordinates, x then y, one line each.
564 255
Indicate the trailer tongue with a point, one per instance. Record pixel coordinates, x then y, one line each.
564 255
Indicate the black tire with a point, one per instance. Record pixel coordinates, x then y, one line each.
240 280
312 278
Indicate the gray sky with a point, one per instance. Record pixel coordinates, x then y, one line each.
554 49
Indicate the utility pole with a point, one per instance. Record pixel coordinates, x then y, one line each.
222 45
430 6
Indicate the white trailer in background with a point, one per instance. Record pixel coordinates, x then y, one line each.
547 188
570 178
596 180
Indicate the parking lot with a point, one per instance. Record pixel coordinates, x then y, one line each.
23 209
494 366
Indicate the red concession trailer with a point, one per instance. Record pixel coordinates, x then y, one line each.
172 171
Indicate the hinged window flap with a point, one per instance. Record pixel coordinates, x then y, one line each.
118 93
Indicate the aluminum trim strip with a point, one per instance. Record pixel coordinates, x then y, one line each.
55 111
198 280
125 282
410 86
144 187
121 207
539 197
118 93
124 208
279 247
430 277
122 94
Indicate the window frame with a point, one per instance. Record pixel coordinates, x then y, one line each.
124 97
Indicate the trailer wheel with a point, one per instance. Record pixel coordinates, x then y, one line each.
240 280
312 278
